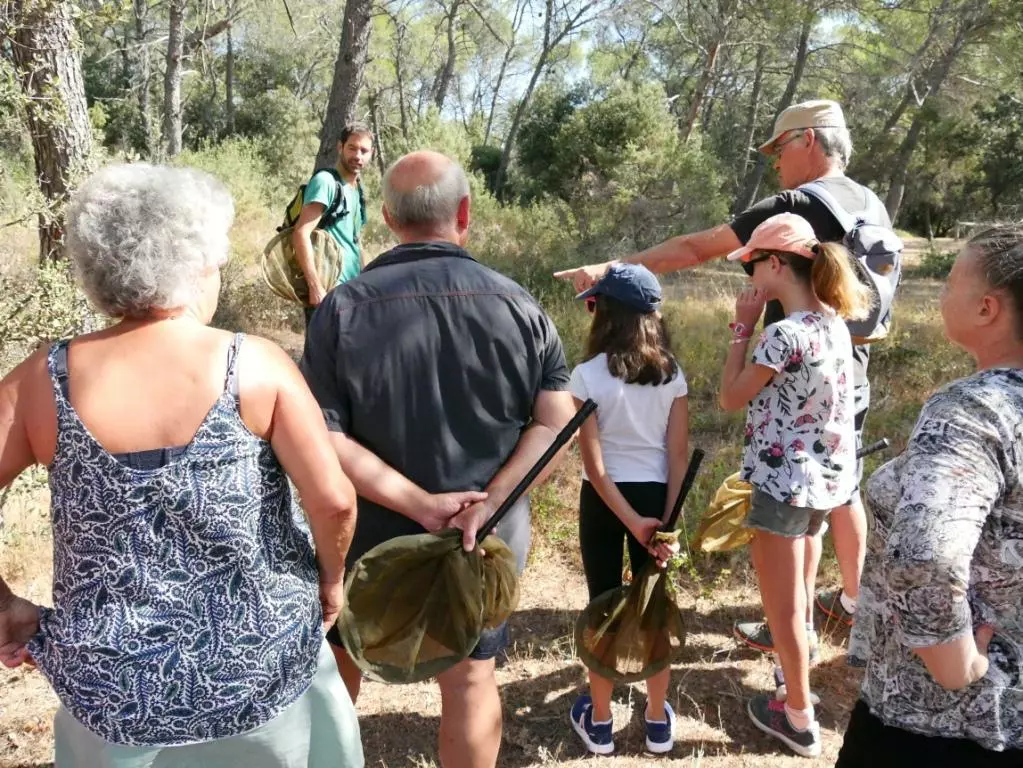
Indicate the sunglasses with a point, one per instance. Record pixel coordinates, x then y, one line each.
591 304
747 266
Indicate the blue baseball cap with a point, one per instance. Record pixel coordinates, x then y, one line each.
631 284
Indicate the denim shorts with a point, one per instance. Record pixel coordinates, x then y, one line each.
768 514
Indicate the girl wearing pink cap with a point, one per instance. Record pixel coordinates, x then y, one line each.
799 441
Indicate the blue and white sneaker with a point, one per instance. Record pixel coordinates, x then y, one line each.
660 736
596 736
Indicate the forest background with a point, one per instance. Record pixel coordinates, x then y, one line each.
592 129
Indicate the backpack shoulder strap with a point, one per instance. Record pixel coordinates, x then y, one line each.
338 192
874 212
818 191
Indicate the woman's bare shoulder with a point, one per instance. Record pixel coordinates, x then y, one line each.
264 352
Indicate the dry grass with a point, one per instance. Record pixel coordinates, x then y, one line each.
541 676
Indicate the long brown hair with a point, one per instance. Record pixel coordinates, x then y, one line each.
833 279
636 343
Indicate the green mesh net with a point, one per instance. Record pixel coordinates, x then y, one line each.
631 632
416 605
634 631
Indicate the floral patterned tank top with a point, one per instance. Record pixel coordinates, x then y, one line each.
186 594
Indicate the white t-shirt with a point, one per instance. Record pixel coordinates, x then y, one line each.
632 420
800 437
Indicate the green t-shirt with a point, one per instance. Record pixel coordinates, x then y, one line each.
321 189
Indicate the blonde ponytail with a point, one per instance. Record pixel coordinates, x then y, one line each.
835 282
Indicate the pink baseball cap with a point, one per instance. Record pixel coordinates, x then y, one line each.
785 232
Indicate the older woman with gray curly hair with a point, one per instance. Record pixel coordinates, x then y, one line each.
188 602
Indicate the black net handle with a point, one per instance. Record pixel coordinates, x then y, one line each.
683 492
866 450
559 442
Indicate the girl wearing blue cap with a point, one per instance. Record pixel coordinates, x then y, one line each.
634 457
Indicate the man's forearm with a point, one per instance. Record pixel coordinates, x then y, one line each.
535 440
669 256
688 250
303 246
377 481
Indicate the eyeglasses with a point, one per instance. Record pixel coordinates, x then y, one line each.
776 149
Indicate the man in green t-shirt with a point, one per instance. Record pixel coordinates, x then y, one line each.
354 152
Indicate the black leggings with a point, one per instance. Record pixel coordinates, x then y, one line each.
869 743
601 532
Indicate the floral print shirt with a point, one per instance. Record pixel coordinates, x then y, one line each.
800 439
945 555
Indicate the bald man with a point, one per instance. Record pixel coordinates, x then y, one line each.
442 383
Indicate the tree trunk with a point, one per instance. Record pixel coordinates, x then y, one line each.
172 79
513 129
756 176
399 76
971 20
144 72
343 102
938 21
509 51
936 78
893 201
45 51
440 92
497 90
380 151
702 85
551 39
229 81
751 115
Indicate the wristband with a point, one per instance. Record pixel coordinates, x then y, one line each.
740 331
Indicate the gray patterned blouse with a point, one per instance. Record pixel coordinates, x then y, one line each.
944 556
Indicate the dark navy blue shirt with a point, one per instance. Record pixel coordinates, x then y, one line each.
432 361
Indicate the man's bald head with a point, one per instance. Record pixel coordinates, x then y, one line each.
423 192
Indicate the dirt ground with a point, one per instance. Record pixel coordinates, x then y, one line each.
539 680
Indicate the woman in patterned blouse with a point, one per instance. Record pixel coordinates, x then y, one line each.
940 618
188 604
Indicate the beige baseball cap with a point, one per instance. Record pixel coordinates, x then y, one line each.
820 113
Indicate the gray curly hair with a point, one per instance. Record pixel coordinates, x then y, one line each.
141 235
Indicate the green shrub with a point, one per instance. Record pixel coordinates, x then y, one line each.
39 305
935 264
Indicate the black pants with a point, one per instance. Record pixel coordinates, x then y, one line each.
601 532
869 743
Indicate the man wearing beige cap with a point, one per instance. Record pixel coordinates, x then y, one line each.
809 143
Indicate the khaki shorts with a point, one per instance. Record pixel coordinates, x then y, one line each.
768 514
